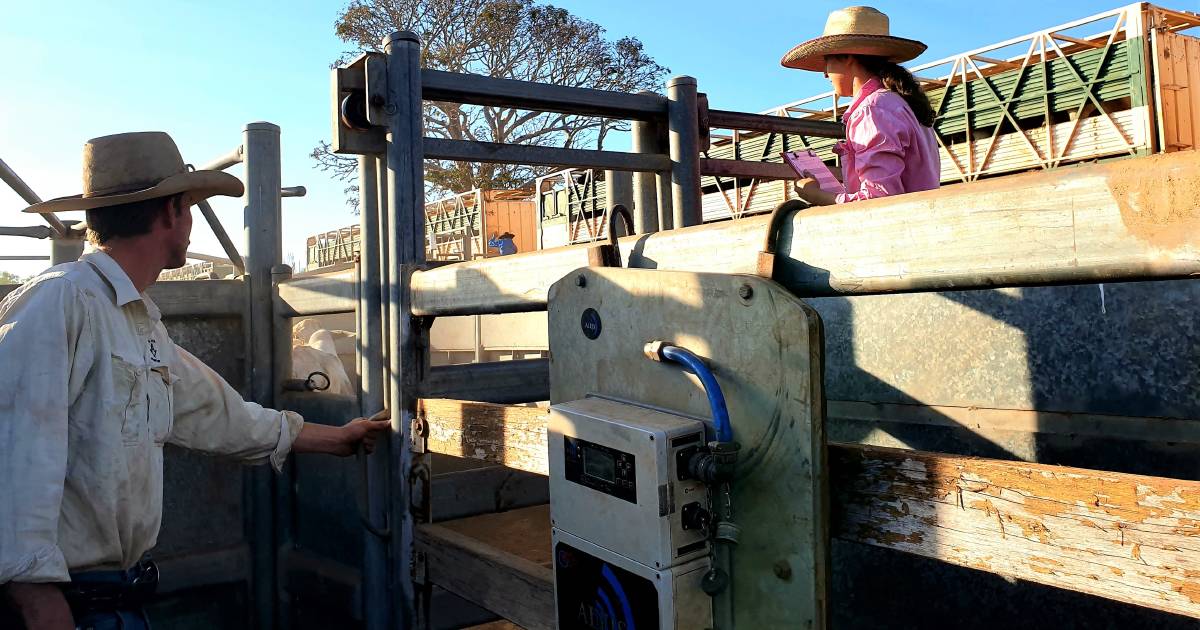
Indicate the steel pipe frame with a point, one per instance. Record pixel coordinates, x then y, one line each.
474 151
742 121
263 241
473 89
32 231
406 247
223 162
645 185
210 217
372 399
19 186
683 126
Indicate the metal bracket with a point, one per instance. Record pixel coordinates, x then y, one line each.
376 89
766 257
353 130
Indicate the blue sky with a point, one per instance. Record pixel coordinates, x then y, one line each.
76 69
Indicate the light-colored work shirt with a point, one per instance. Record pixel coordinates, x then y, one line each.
886 152
92 389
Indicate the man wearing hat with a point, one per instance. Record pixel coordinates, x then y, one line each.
504 243
94 388
890 146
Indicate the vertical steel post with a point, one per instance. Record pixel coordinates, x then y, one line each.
683 124
618 187
666 218
384 288
376 605
406 200
645 184
65 249
264 250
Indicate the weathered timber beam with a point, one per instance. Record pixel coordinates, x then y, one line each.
505 382
466 151
1125 537
480 286
992 423
485 490
739 168
438 85
503 582
323 294
190 298
514 437
199 298
1133 219
742 121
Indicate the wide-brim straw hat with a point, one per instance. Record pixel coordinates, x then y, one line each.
853 31
128 167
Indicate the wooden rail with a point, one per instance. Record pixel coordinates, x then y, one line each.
1130 538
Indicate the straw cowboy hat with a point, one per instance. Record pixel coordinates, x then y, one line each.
852 31
129 167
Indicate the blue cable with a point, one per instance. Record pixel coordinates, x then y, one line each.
716 399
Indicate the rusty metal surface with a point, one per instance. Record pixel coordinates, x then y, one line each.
203 496
1050 349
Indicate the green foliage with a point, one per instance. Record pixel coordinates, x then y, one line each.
7 277
513 39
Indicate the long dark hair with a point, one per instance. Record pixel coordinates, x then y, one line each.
899 80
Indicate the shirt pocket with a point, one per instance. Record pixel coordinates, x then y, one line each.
161 402
129 400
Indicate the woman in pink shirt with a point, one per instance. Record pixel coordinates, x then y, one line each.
890 148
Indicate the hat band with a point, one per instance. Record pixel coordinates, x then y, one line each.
120 190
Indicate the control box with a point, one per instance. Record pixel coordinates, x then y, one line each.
619 480
595 589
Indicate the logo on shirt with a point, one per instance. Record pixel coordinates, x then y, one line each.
154 351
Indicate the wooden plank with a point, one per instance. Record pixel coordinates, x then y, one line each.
321 294
1124 537
511 436
1128 220
438 85
521 381
988 423
464 151
465 493
199 298
498 561
458 289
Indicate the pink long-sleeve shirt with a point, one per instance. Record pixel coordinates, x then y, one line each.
887 152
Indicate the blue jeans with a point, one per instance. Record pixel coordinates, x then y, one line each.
112 600
117 620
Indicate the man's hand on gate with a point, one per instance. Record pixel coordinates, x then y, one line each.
343 441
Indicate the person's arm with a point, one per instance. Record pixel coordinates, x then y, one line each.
809 189
879 142
211 417
40 605
43 339
343 440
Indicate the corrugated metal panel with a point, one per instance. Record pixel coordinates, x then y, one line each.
1095 137
1178 90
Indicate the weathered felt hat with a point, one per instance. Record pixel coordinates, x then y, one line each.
129 167
853 31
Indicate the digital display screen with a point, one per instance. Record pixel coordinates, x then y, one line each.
599 464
